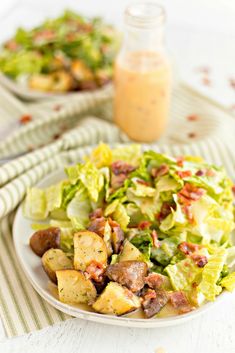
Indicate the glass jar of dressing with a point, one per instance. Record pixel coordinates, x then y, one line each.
142 78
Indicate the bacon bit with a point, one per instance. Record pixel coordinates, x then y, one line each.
188 211
152 306
155 239
184 173
97 225
188 248
30 148
233 189
206 81
210 173
98 213
194 284
200 173
190 193
117 181
165 211
192 118
150 294
144 225
179 161
179 301
56 136
12 45
200 260
192 135
117 235
143 182
25 119
160 171
57 107
120 167
95 271
44 35
203 69
232 82
154 280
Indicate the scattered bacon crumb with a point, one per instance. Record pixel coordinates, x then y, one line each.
200 260
179 161
56 136
206 81
95 271
30 148
232 82
210 173
233 189
200 173
160 171
150 294
184 173
57 107
155 239
154 280
193 117
191 135
165 211
180 302
98 213
144 225
188 248
188 211
143 182
190 193
25 119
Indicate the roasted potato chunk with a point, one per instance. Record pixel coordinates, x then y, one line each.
88 247
116 300
58 81
128 273
45 239
74 287
54 260
130 252
154 301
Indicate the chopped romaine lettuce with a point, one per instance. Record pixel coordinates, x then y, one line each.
35 204
79 208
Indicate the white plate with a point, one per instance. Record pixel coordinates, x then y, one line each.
32 267
24 92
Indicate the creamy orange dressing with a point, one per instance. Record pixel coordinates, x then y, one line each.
142 94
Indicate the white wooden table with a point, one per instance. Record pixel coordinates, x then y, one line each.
200 33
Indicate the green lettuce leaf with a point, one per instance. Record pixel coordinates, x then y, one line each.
129 153
228 282
79 208
54 194
35 204
210 275
143 241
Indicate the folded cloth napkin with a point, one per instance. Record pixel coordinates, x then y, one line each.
209 133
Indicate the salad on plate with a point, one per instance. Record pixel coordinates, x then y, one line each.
128 231
68 53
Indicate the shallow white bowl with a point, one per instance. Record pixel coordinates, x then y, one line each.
32 267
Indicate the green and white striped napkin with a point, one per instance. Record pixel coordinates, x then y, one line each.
197 127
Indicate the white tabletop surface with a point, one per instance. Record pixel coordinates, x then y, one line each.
201 33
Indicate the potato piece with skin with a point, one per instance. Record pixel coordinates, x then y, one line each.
45 239
130 252
75 288
54 260
116 300
128 273
88 247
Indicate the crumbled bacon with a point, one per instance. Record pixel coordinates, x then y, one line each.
120 167
98 213
97 225
187 209
155 239
144 225
180 161
200 260
190 193
154 280
179 301
165 211
25 119
95 271
153 301
233 189
192 135
57 107
143 182
12 45
117 181
200 173
117 235
44 35
210 173
184 173
188 248
192 117
160 171
206 81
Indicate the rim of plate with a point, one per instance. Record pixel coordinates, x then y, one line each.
92 316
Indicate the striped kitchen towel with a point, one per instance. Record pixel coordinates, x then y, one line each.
197 127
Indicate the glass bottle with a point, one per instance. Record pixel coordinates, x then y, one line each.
142 75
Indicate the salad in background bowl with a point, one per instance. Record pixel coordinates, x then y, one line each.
65 54
134 231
